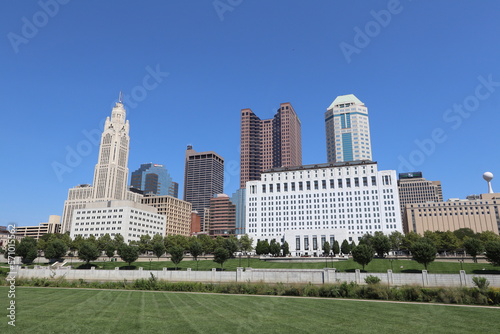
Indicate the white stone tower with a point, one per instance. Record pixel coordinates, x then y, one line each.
111 172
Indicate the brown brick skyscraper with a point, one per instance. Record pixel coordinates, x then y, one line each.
269 143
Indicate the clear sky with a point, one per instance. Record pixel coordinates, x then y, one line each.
429 73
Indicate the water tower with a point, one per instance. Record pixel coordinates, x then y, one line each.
488 177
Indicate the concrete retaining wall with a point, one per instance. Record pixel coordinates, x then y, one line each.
314 276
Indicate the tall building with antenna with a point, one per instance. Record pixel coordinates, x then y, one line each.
110 173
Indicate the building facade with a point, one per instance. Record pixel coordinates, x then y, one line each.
269 143
52 226
480 214
222 216
413 188
154 179
130 219
203 178
177 213
111 172
347 130
351 198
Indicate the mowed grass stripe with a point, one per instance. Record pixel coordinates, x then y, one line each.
110 311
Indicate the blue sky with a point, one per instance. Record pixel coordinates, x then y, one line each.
428 72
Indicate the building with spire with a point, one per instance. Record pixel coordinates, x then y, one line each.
111 172
347 130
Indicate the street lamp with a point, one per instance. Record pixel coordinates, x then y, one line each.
461 264
390 260
149 263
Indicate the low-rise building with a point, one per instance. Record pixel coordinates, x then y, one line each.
479 214
52 226
176 211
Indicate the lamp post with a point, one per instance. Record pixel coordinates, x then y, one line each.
390 260
461 264
150 263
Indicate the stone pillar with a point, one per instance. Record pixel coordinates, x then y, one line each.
390 278
330 274
463 278
357 276
425 278
239 274
214 272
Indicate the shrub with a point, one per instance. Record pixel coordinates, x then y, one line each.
481 282
370 279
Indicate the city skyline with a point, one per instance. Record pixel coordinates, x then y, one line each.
432 89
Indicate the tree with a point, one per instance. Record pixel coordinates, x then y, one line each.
76 243
345 248
396 239
27 250
285 248
220 256
473 247
176 254
352 245
424 252
158 249
449 241
110 250
145 244
366 239
262 247
492 253
176 240
207 243
464 232
103 242
486 236
246 243
409 239
362 254
55 249
128 253
88 252
326 248
118 241
336 248
381 244
231 244
274 248
196 249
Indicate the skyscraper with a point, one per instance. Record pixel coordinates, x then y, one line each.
111 172
203 178
347 130
269 143
154 179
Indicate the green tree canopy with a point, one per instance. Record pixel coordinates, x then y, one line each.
285 248
246 243
409 239
362 254
274 248
424 252
345 248
473 247
326 248
103 242
55 249
381 244
158 248
88 251
336 248
396 239
492 252
262 247
110 250
27 250
128 253
145 244
231 244
176 254
220 256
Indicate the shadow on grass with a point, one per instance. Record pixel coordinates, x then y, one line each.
354 270
86 266
128 268
173 268
411 271
486 272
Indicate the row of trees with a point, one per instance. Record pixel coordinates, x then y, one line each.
57 246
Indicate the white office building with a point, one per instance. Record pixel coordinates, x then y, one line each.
347 130
127 218
340 200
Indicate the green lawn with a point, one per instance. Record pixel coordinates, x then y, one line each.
376 265
45 310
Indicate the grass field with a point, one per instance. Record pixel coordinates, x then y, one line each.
376 265
45 310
